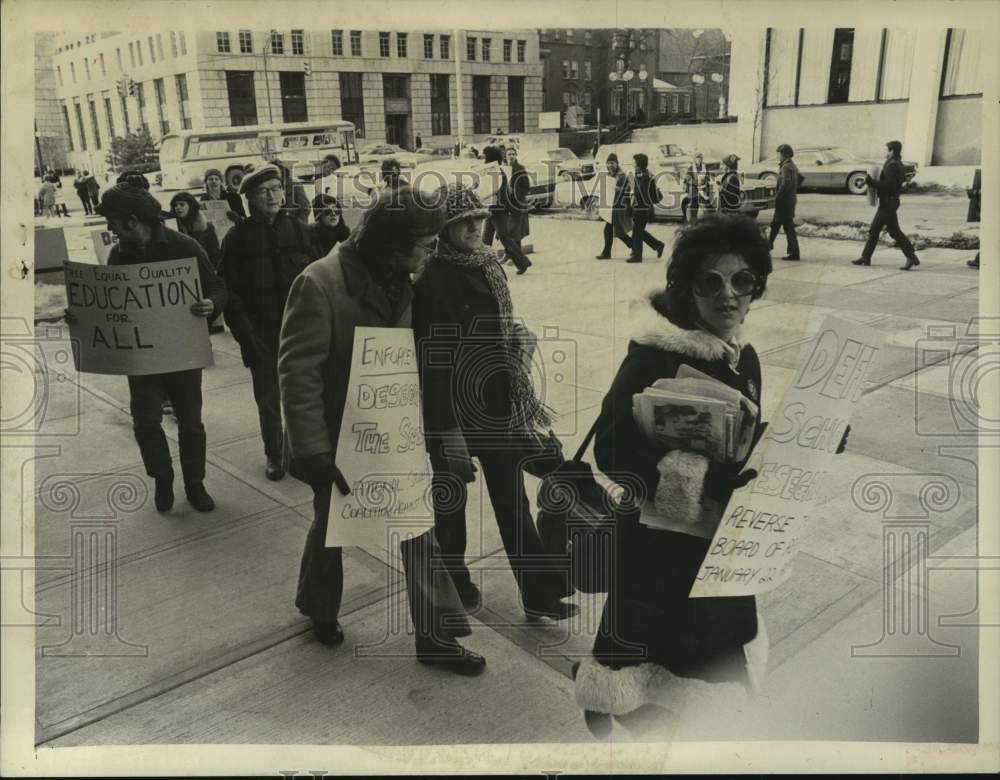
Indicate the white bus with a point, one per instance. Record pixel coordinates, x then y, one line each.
301 146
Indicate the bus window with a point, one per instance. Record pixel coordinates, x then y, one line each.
170 149
322 139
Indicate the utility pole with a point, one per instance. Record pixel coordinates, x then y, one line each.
458 91
267 80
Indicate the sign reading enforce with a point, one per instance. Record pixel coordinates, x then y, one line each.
381 451
756 541
137 319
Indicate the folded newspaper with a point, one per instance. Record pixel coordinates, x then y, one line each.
695 412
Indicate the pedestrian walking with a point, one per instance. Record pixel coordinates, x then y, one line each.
93 188
479 402
191 222
134 216
364 282
261 256
729 186
418 142
645 195
696 179
80 185
47 196
784 202
328 228
621 217
214 190
889 186
974 214
509 214
391 175
60 196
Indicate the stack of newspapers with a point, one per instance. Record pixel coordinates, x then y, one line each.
695 412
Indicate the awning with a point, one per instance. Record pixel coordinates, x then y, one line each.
665 86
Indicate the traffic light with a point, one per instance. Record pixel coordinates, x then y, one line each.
131 86
306 67
120 86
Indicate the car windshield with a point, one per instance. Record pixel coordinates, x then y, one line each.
839 153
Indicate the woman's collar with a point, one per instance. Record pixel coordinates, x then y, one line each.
651 328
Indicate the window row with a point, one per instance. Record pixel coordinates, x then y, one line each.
569 36
153 46
272 42
571 70
483 47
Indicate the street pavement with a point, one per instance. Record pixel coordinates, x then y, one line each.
200 641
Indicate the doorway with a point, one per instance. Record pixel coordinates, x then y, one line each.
397 130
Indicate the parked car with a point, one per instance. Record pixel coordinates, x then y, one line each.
376 153
568 164
828 167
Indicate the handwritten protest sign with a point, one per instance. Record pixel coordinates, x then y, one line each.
381 447
754 546
216 212
103 241
137 319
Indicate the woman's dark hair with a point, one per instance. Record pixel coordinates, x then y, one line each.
895 147
394 223
194 207
492 154
716 234
322 202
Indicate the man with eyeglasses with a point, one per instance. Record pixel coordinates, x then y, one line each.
261 256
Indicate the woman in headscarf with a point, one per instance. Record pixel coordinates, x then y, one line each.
191 222
328 228
479 401
620 224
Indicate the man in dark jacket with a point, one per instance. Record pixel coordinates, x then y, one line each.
93 188
134 216
509 214
696 180
784 202
729 187
645 195
261 256
889 185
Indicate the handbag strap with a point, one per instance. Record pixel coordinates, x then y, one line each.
586 441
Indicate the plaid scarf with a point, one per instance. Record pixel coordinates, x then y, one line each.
527 411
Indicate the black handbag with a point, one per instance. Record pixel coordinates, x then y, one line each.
542 454
576 523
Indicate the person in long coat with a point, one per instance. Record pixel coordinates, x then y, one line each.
656 646
365 281
621 217
784 202
645 196
479 402
696 179
509 214
80 185
192 222
729 186
889 186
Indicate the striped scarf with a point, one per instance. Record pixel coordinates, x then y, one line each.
527 411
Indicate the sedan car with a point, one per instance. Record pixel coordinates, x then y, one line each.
828 167
376 153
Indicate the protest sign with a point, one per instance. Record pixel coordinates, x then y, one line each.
380 450
217 214
755 544
103 241
51 251
137 319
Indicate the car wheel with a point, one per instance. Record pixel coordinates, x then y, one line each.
857 184
234 176
589 205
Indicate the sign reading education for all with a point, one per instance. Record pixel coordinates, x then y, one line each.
755 543
137 319
381 451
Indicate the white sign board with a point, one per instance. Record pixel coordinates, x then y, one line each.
103 241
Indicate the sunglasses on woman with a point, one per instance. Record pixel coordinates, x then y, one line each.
709 284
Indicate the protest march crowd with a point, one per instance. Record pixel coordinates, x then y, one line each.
294 296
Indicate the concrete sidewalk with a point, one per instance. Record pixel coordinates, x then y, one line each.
206 644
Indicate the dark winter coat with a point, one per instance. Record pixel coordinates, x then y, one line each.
324 239
648 604
512 199
259 263
93 188
890 181
621 211
644 192
729 193
203 231
788 186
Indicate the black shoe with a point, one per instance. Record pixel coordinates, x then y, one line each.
274 471
328 632
602 256
790 257
973 263
164 495
452 657
634 260
524 268
198 497
659 252
911 262
555 609
471 598
862 261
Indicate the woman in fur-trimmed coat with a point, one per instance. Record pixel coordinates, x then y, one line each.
655 645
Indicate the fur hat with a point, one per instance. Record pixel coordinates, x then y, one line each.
461 202
125 200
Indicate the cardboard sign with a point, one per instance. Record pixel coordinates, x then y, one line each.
51 251
137 319
381 449
216 213
103 241
755 544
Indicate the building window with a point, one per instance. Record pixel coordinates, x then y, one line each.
565 69
173 45
152 51
569 36
59 74
440 104
575 70
487 42
293 97
183 42
140 97
515 104
428 47
840 68
66 125
470 49
298 42
277 42
242 98
337 42
587 38
182 100
520 50
161 105
508 49
86 67
383 44
124 102
94 126
352 102
246 42
445 47
104 71
401 45
159 45
79 126
131 53
587 73
118 54
72 72
395 85
963 74
355 43
557 35
897 64
566 99
221 42
481 104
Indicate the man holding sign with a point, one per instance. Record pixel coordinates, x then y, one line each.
134 216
